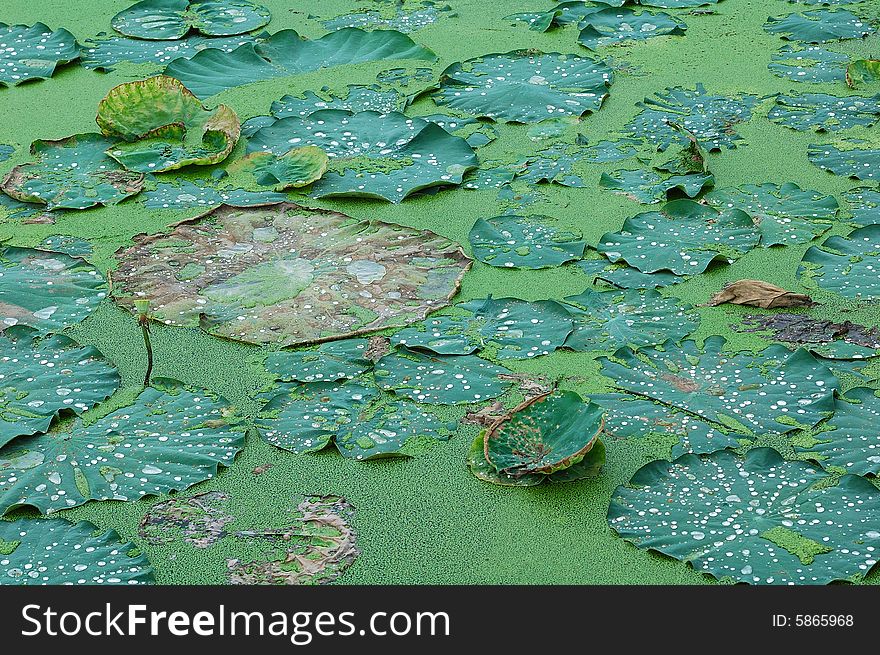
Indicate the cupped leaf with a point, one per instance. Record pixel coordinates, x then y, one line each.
173 19
372 155
823 112
58 552
819 26
525 87
529 242
296 168
649 187
329 362
168 439
756 519
811 64
613 25
846 265
855 160
862 72
33 52
288 275
72 173
684 237
865 205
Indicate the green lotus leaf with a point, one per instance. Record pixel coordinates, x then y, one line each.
72 173
287 275
529 242
846 265
865 205
48 291
537 21
69 246
684 237
545 434
648 187
358 98
33 53
161 20
773 391
5 151
863 71
856 161
286 53
388 431
441 380
808 64
632 318
823 112
531 88
612 25
603 152
39 378
296 168
781 522
185 194
554 164
168 439
372 155
406 17
819 26
58 552
443 335
329 362
105 52
710 119
626 277
783 214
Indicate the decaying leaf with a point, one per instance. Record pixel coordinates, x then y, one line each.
758 293
818 335
199 520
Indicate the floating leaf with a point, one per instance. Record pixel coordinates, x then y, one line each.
683 237
388 431
808 64
856 161
69 246
72 173
633 318
819 26
525 87
358 98
648 187
286 53
288 275
823 337
772 391
824 112
58 552
444 335
173 19
168 439
863 71
5 151
603 152
758 293
782 522
33 53
422 15
330 362
199 520
184 194
626 277
529 242
846 265
105 52
555 164
865 204
296 168
612 25
372 155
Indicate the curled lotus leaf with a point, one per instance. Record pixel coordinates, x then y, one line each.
58 552
40 378
164 126
104 52
168 439
773 391
372 155
819 26
783 214
185 194
329 362
296 168
33 52
160 20
613 25
529 242
72 173
865 205
287 275
854 160
544 435
846 265
823 112
811 64
684 237
756 519
46 290
649 187
525 87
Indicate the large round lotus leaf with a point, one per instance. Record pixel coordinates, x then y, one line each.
612 25
683 237
296 168
810 64
168 439
72 173
387 431
773 391
403 16
165 126
58 552
604 319
631 416
105 52
823 112
286 53
783 214
33 53
856 161
185 194
525 87
819 26
865 205
441 380
530 242
46 290
755 519
711 119
173 19
288 275
543 435
648 187
846 265
372 155
329 362
41 377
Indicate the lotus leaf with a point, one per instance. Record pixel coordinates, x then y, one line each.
648 187
626 277
388 431
5 151
105 52
330 362
819 26
33 53
408 17
530 242
855 161
443 335
824 112
186 194
865 204
612 25
173 19
808 64
863 71
846 265
358 98
296 168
